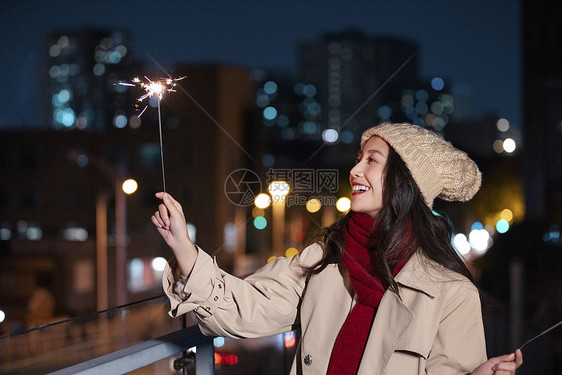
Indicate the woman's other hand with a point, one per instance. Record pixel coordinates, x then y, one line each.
503 365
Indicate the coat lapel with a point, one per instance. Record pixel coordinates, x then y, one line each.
394 318
391 323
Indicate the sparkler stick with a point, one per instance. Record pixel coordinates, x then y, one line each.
540 334
157 88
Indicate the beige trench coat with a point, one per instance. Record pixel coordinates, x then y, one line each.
434 327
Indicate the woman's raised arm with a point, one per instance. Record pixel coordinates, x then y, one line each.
171 224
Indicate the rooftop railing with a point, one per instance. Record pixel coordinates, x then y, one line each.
113 341
141 338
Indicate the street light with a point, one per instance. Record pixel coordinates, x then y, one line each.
130 186
262 201
278 191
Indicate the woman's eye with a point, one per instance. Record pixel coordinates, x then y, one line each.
357 160
371 160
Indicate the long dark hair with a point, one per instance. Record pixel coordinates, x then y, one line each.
404 217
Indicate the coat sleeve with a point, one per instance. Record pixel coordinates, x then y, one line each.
459 345
263 304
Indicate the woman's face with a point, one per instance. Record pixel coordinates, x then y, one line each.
367 177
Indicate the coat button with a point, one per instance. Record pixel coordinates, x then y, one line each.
216 298
308 359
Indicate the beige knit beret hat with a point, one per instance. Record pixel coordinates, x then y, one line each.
439 169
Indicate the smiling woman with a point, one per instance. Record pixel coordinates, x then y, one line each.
382 292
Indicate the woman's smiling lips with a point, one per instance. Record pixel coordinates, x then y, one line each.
359 189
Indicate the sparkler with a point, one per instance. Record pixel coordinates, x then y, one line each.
542 333
155 88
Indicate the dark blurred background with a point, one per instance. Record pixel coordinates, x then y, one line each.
272 91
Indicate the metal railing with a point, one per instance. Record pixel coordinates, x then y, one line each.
141 338
113 341
148 352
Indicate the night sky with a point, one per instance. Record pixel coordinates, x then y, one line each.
474 45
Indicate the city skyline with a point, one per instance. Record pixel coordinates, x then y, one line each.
473 46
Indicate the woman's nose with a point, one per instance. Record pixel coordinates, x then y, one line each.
356 171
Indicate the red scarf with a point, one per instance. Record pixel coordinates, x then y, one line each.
352 338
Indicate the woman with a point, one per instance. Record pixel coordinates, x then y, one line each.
383 292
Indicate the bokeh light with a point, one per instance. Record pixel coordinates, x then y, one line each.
290 252
120 121
479 240
158 264
135 122
437 84
289 339
330 135
509 145
260 222
256 211
498 146
477 226
343 204
502 226
506 214
461 244
270 113
192 232
502 125
218 342
262 201
130 186
422 95
5 234
347 137
313 205
270 87
278 191
309 90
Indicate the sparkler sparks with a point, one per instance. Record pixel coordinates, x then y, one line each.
155 88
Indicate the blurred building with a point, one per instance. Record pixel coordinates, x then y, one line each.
55 187
348 68
84 68
288 115
363 80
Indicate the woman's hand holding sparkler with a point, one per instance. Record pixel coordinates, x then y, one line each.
171 224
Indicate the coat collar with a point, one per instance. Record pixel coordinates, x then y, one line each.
422 274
